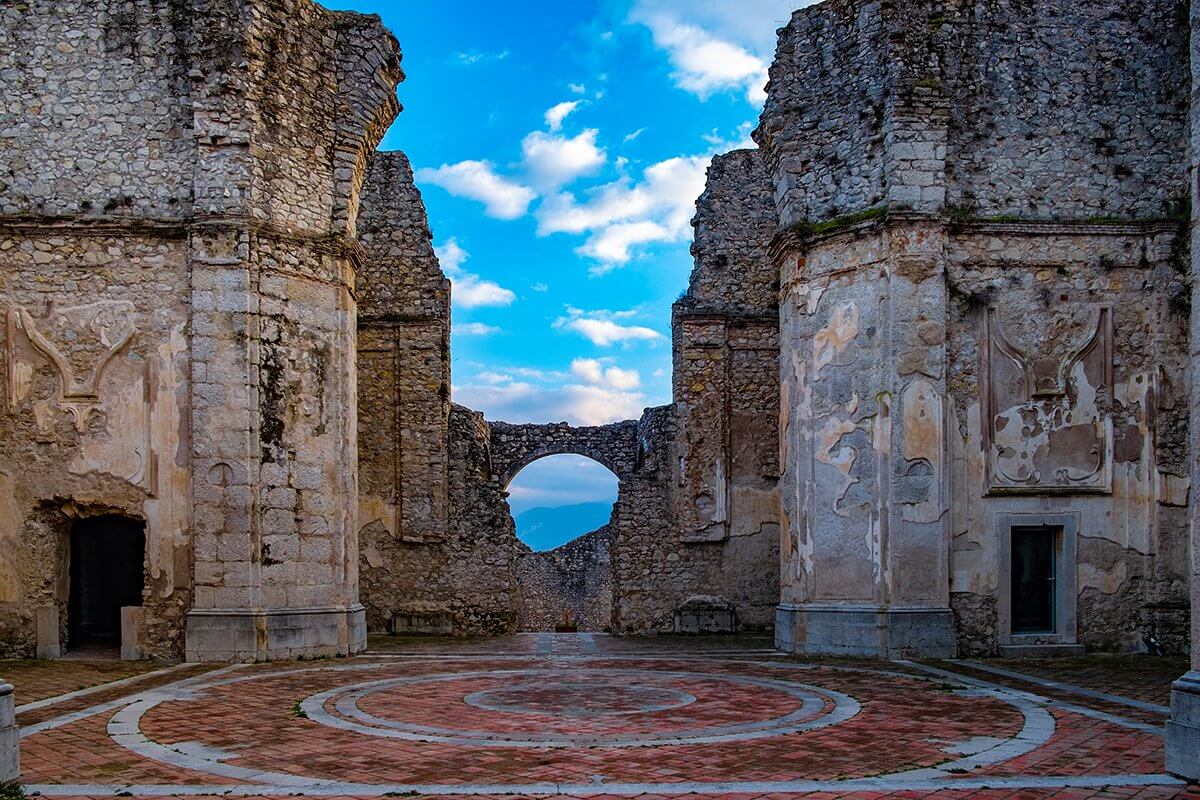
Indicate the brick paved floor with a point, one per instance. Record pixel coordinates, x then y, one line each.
589 715
37 680
1138 677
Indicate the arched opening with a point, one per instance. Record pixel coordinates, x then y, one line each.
106 556
561 506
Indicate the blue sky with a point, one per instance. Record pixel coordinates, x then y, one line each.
559 147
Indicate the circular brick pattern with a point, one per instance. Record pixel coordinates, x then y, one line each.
411 724
548 692
580 698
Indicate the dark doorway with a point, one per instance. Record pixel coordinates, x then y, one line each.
1034 556
106 573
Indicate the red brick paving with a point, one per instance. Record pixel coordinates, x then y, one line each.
904 723
1137 677
39 679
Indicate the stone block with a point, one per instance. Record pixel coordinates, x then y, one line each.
49 643
131 633
869 631
10 753
1183 729
270 634
705 615
431 624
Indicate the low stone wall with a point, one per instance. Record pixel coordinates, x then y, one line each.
570 585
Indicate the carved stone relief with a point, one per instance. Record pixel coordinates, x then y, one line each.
1048 391
82 344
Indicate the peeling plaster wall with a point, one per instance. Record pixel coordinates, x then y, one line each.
180 312
1094 315
983 316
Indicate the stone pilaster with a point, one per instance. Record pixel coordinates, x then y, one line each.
274 399
864 450
1183 729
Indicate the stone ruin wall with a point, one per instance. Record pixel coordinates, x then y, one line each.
711 459
176 274
570 585
929 195
703 530
437 546
1021 302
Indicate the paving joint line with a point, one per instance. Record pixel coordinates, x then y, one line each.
121 702
881 784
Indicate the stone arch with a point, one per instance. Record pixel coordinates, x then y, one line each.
514 447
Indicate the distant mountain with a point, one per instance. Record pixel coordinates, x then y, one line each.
546 528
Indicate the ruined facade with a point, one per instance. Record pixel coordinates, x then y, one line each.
177 259
930 390
437 547
567 588
983 312
693 541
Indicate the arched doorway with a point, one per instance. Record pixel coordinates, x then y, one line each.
107 555
561 506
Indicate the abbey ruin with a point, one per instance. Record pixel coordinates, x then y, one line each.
933 373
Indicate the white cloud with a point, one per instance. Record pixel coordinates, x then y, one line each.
556 114
451 256
601 329
577 404
622 214
553 161
577 88
469 290
704 64
611 245
477 180
473 57
716 45
595 392
588 369
474 329
739 141
629 137
540 287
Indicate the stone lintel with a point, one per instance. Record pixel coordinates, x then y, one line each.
245 634
865 630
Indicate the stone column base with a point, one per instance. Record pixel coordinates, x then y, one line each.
865 631
239 634
1183 729
10 741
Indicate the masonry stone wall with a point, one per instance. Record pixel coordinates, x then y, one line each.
569 586
698 524
437 546
176 270
976 275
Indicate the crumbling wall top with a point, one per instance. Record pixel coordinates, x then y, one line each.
735 219
400 276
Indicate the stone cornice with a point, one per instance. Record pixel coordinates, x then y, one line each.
330 243
803 235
